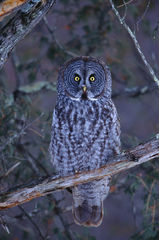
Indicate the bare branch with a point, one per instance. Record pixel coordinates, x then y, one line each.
52 33
137 45
33 222
10 170
135 91
125 3
143 15
4 225
18 134
21 24
128 159
125 11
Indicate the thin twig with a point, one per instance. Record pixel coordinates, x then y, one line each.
125 3
31 220
125 10
35 164
10 170
137 45
143 15
143 183
15 221
52 33
149 195
153 212
4 224
65 224
18 134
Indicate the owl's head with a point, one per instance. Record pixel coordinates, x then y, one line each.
85 78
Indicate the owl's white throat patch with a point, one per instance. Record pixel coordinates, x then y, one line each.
76 99
92 99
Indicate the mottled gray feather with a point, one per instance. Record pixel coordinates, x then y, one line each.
85 133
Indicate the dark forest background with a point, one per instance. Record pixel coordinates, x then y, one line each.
27 99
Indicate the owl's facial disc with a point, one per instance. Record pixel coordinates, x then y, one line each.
73 80
84 80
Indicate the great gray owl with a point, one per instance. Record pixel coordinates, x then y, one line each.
85 132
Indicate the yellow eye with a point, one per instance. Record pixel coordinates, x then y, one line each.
77 78
92 78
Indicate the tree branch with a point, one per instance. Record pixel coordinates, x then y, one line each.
52 33
21 24
33 222
128 159
134 91
137 45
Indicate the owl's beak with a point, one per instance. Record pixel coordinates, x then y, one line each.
84 89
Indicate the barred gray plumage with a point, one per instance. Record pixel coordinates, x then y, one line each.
85 132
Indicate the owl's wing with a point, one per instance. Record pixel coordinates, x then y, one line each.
116 132
51 148
113 131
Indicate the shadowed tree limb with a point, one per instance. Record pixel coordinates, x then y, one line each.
128 159
21 24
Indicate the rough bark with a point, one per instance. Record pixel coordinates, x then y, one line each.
128 159
21 24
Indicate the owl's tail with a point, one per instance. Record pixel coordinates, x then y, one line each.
88 215
88 202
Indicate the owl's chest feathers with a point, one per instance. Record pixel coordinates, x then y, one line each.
82 135
81 120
